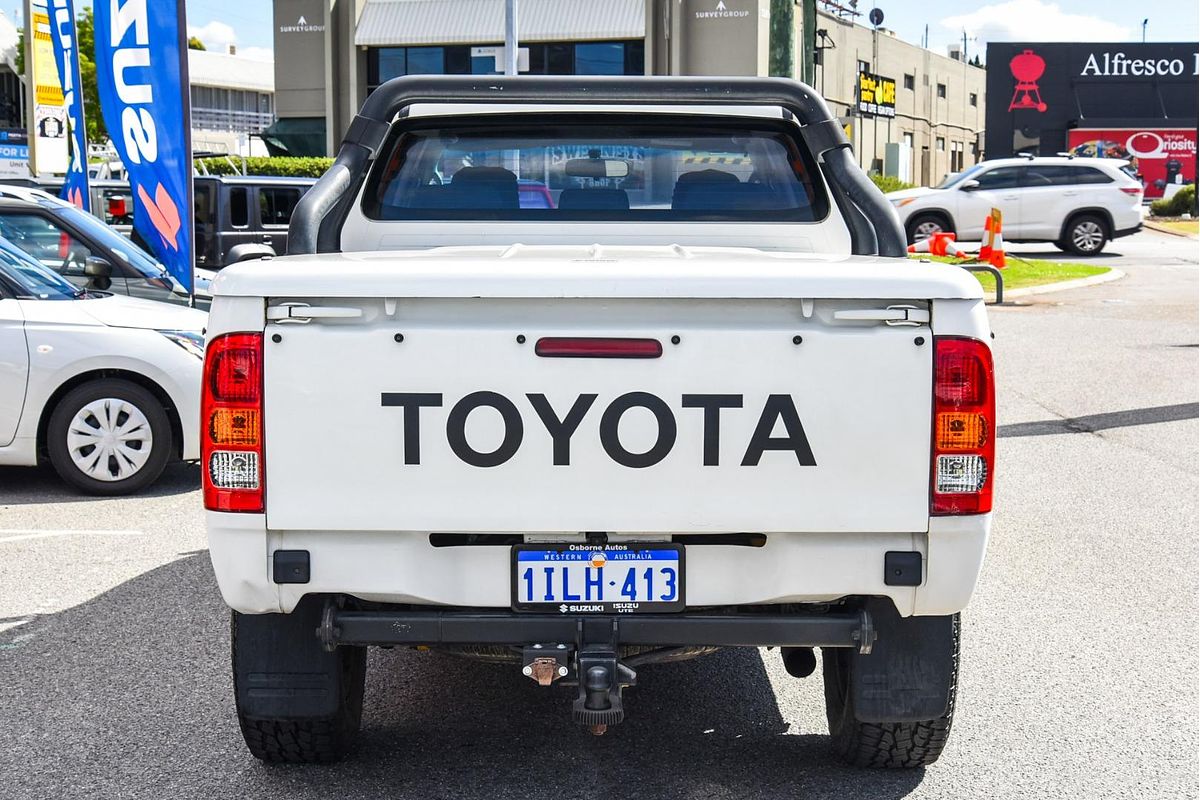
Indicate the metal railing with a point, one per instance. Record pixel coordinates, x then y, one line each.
223 119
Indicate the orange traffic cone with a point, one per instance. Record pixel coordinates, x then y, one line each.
935 244
996 256
989 236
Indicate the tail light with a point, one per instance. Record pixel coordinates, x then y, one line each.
1132 191
231 430
964 427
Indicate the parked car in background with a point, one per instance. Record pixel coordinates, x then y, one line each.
103 386
1078 204
238 217
87 252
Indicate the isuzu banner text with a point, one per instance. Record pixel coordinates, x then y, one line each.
143 95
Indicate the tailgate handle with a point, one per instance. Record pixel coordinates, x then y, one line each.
892 315
303 312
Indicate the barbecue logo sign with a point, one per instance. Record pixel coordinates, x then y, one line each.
876 95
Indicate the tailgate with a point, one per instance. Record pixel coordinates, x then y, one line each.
436 414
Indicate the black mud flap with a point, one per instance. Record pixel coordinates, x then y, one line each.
280 669
909 672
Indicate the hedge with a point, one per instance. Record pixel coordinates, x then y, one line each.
888 183
282 166
1183 201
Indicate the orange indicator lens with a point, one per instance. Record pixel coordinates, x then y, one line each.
236 426
958 430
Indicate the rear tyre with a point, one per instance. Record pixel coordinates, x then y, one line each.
888 745
922 226
109 437
1085 235
276 651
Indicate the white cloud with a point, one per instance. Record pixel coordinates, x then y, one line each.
1034 21
217 36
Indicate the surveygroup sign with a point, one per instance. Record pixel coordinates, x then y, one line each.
876 95
1040 93
141 74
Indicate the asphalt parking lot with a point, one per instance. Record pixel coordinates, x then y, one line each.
1079 674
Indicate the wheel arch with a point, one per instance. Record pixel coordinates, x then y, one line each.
1097 211
109 372
936 211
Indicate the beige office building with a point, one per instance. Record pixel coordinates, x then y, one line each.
939 101
329 54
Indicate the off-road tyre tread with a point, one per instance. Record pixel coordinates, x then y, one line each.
323 740
887 745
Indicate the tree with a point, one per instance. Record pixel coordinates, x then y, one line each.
195 44
85 35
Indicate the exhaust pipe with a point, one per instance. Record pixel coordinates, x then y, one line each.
800 662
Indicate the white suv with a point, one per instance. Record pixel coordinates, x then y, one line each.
1076 203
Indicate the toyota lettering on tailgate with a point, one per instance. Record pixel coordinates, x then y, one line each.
562 425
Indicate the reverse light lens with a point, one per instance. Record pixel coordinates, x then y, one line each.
234 469
234 426
960 474
961 431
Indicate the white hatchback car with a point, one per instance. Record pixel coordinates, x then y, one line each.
1078 204
107 388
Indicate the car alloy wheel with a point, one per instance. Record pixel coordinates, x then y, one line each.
1087 236
924 230
109 439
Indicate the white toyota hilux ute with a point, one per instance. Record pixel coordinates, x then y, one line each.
585 374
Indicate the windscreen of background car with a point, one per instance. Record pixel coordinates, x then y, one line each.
31 278
598 169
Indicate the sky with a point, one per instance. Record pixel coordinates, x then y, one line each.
248 23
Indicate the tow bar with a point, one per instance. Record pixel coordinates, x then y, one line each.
584 651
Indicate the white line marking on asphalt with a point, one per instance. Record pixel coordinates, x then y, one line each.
23 534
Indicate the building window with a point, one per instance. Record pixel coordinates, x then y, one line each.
941 90
552 58
910 82
941 144
973 99
864 66
607 58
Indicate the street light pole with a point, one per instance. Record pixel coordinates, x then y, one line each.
510 37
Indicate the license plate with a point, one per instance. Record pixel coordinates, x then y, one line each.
598 579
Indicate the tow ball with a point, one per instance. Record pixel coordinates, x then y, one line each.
594 669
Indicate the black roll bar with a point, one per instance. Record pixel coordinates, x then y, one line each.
317 219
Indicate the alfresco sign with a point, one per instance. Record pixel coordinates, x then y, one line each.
1120 65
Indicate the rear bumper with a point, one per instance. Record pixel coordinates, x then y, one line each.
404 568
1127 231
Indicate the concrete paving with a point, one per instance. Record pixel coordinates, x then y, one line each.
1079 673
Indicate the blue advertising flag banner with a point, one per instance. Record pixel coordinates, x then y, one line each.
66 56
144 96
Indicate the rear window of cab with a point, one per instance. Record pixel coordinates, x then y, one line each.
597 167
